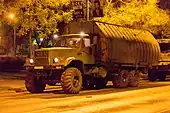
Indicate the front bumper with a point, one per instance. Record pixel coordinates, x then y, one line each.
44 67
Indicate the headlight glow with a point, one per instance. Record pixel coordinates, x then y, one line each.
56 60
31 61
82 34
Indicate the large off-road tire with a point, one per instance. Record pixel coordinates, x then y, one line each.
152 75
71 80
134 77
121 80
34 85
162 76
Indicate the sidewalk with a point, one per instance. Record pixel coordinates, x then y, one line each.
17 76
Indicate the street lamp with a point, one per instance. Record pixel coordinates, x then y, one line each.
12 17
55 36
41 39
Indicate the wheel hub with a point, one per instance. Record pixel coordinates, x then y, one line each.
75 81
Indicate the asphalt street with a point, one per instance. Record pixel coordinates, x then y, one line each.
149 97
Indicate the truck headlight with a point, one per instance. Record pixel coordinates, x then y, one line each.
31 61
56 60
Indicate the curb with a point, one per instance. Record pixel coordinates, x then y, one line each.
15 76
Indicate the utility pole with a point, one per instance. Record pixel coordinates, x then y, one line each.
0 41
87 10
12 18
30 43
14 39
31 17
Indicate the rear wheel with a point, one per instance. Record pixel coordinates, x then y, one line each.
71 80
134 77
33 84
121 80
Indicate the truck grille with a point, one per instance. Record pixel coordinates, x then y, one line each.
41 53
41 61
41 58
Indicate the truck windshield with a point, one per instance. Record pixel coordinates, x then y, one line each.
72 42
65 41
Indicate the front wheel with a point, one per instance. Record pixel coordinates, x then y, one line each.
33 84
71 80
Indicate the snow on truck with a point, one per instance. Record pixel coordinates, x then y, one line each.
104 52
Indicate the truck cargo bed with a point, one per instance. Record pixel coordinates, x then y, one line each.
118 44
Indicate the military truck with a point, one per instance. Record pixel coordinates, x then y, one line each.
104 52
162 69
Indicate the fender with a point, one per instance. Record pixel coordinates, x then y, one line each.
68 60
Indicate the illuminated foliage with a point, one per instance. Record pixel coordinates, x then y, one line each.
40 15
2 9
138 14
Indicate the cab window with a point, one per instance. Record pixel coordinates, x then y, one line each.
87 42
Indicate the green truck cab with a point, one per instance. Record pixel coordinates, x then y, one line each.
63 61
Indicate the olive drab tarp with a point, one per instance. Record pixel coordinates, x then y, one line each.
126 45
119 44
